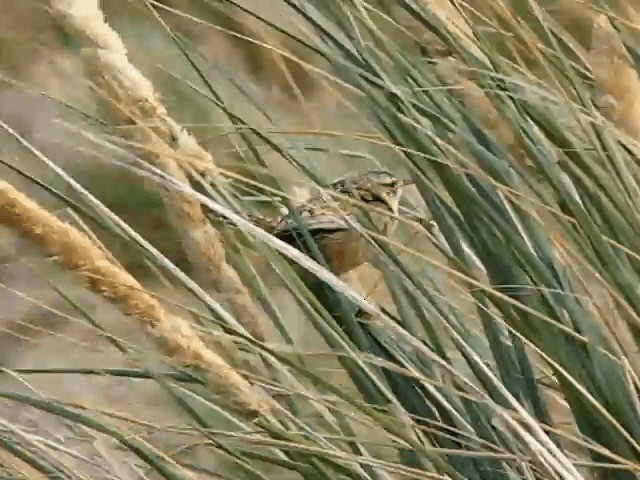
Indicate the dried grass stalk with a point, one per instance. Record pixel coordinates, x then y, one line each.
617 82
455 23
134 103
268 65
174 335
452 72
630 17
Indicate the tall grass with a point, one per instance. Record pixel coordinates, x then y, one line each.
505 346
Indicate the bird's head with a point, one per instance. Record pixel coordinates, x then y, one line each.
376 187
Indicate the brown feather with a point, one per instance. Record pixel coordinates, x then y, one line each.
330 223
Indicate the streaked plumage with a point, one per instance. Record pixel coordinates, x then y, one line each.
375 187
331 228
329 219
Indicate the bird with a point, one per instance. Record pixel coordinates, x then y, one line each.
374 187
329 217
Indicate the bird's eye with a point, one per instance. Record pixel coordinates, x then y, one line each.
367 196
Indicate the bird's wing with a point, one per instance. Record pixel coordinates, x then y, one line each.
265 223
316 218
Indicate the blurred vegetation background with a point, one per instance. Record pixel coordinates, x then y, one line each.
497 330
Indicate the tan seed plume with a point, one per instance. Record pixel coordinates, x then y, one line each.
132 104
173 335
455 23
617 82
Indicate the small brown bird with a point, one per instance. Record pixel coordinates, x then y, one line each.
329 218
375 187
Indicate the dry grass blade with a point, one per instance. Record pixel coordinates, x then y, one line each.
165 144
452 72
173 334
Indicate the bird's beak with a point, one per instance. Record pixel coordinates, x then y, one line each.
392 201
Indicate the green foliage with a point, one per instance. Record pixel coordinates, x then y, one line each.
125 194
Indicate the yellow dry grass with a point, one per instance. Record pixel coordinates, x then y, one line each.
132 101
174 335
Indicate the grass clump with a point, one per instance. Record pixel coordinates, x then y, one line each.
502 341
